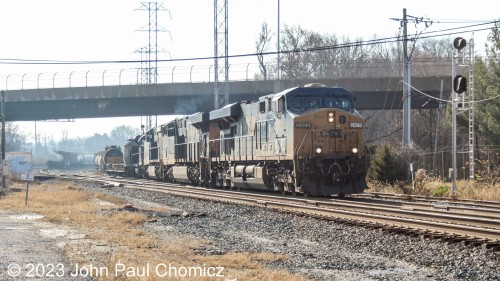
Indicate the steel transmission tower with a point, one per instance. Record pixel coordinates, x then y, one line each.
221 62
149 53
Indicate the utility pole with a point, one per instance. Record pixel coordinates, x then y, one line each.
406 86
2 115
438 122
406 141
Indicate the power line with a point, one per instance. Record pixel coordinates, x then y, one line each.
450 101
312 49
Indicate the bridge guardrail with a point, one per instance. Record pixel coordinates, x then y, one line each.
125 76
191 74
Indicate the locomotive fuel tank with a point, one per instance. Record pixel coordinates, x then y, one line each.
250 176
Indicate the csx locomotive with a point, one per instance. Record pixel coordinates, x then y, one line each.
305 140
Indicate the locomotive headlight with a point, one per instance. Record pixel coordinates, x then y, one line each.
330 117
318 150
354 150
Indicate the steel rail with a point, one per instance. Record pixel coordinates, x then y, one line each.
445 225
480 213
416 198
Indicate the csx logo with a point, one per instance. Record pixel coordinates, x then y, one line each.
333 133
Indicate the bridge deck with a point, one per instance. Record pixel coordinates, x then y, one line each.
187 98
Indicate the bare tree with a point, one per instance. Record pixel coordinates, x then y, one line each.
263 43
122 133
299 60
14 139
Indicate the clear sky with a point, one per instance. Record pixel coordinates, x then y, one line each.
106 30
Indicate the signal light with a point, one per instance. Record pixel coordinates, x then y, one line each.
459 84
459 43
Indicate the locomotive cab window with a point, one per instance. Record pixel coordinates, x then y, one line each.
281 104
310 101
262 106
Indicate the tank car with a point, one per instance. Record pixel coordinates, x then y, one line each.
305 139
110 160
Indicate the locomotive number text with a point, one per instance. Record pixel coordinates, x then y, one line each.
303 125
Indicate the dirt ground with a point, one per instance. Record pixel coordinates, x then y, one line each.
68 233
31 248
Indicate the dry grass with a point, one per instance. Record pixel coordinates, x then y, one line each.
130 243
434 188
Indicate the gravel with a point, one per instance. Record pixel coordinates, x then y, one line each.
316 249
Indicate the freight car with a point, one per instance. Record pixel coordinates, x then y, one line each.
305 139
110 160
64 160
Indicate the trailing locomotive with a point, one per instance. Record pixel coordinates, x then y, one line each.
305 139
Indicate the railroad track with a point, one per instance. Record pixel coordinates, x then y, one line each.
425 199
468 223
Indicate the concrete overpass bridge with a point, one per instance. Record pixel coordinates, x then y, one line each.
187 98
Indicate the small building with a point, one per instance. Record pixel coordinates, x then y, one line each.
19 163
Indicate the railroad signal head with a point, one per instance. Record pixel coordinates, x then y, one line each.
459 84
459 43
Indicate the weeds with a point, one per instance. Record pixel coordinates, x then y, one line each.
128 240
431 187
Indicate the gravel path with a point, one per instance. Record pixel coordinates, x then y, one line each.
319 250
29 249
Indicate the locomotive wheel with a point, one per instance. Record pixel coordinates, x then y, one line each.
283 189
280 187
294 192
